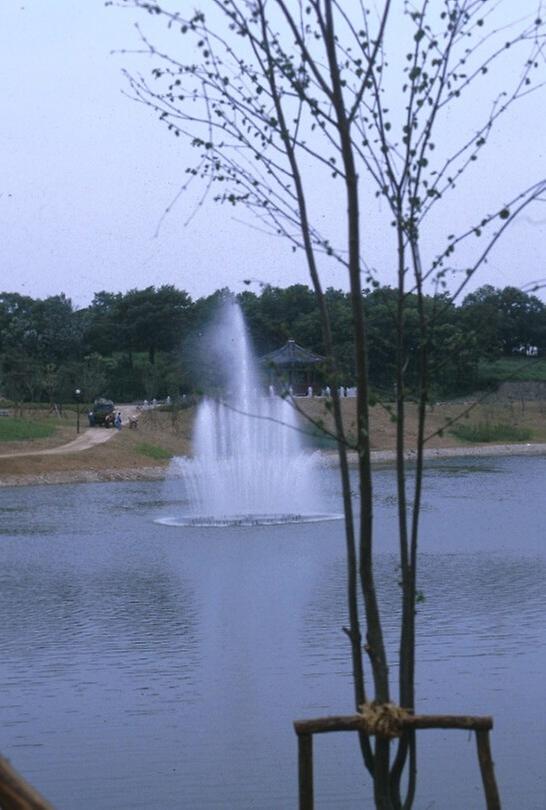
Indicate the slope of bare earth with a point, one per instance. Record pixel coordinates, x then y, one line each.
530 414
144 453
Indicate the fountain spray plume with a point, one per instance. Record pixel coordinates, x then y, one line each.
249 465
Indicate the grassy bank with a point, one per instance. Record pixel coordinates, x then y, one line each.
159 436
24 430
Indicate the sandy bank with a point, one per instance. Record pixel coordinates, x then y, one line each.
159 473
84 476
386 456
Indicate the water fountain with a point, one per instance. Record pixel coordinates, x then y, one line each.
249 466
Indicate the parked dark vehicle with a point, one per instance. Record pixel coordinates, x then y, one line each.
102 413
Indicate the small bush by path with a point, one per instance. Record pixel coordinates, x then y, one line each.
491 432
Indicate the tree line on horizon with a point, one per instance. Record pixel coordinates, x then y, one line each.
153 342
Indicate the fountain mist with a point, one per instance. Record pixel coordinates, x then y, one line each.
249 466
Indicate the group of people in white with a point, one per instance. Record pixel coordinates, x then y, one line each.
325 393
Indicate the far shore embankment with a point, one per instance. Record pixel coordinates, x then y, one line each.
329 458
144 454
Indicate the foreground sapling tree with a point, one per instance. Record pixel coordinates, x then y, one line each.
307 112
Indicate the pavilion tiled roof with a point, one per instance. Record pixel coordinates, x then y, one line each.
291 354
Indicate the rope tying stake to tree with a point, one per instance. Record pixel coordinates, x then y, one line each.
384 719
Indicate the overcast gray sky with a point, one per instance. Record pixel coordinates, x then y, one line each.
87 173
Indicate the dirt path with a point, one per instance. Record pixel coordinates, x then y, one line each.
89 438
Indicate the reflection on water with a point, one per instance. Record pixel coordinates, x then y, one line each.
167 664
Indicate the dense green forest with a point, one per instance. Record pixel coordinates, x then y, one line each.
153 342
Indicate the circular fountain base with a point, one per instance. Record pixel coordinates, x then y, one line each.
198 521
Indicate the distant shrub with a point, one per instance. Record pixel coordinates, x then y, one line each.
153 451
491 432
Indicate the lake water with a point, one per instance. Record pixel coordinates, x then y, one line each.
147 666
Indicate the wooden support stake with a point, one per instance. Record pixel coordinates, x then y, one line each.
16 793
305 763
355 722
487 770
